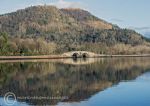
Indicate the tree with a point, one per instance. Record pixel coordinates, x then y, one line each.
3 41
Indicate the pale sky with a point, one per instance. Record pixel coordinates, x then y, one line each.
132 14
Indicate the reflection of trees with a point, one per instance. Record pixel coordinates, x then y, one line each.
77 82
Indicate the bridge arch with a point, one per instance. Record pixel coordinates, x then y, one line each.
75 55
85 55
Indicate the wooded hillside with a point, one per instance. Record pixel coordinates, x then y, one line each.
49 30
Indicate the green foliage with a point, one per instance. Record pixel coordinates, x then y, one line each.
31 30
43 22
4 35
26 46
3 42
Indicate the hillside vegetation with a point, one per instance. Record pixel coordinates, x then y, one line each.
49 30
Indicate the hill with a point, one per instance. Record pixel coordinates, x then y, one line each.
47 30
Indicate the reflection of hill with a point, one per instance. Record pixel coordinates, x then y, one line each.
78 82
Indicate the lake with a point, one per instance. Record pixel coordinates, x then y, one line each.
78 82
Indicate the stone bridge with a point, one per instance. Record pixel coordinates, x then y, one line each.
80 54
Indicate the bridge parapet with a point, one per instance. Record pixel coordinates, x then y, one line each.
80 54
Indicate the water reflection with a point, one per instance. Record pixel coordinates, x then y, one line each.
78 80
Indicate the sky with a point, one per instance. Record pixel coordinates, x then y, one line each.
133 14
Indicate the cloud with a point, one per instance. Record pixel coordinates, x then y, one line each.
116 20
147 34
140 28
145 31
67 4
13 6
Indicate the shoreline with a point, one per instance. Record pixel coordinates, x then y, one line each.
31 57
63 57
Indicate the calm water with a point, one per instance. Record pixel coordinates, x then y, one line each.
88 82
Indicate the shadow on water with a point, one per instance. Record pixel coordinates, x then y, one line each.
77 79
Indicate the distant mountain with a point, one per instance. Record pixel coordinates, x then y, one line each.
147 34
72 29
